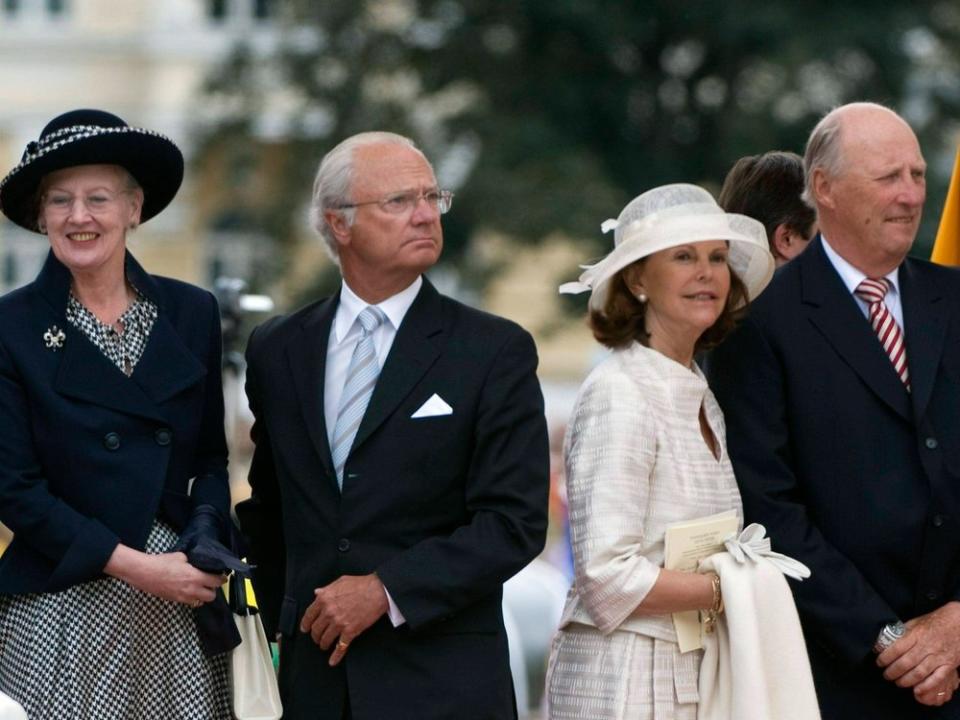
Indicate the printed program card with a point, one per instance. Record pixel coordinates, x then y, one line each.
685 545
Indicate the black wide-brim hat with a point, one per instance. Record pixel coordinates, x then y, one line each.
93 137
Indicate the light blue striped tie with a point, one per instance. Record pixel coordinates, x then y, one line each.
361 378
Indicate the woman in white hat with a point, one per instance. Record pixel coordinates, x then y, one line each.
645 449
112 452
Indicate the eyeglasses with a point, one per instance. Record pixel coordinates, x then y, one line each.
95 203
402 203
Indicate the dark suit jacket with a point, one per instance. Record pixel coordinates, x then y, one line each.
88 456
444 509
851 474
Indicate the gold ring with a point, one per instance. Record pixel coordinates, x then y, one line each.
341 645
196 603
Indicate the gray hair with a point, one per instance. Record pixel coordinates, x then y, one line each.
331 187
824 148
823 152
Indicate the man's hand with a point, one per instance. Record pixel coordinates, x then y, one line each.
342 610
927 656
938 688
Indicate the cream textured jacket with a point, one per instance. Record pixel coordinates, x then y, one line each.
635 463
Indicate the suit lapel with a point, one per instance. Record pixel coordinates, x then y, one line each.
307 356
925 321
415 348
835 313
85 373
167 366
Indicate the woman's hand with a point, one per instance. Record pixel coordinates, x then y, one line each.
167 575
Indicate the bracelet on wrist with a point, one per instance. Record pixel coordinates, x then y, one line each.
710 615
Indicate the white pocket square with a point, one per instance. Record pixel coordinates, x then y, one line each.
433 407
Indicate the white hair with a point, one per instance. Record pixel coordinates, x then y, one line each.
332 185
824 150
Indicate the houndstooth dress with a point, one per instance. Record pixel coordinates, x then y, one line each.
104 650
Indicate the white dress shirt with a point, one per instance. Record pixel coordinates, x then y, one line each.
852 278
344 334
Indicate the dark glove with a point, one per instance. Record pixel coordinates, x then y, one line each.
200 541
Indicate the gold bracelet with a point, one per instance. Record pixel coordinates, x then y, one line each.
717 595
710 616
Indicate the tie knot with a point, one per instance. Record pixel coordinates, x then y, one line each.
370 318
872 290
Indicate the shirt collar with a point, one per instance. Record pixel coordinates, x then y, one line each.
850 275
394 307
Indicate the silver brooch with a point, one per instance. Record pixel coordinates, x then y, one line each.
53 338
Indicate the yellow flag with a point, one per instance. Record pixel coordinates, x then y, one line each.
946 248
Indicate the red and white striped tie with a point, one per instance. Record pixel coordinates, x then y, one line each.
885 325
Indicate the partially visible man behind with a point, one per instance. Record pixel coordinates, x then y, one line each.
841 394
768 188
390 505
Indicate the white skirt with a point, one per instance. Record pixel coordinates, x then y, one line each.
105 650
620 676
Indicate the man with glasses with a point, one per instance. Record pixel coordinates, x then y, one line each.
401 466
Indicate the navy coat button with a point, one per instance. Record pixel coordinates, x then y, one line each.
937 520
111 441
931 443
932 595
163 436
343 545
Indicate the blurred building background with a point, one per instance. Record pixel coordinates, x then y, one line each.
544 117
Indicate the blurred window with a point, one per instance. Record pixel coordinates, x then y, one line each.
56 7
262 9
11 7
217 9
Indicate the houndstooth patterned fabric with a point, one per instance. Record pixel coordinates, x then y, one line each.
125 348
104 650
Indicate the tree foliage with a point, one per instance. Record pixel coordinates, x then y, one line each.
547 115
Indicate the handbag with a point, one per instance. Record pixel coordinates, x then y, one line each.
10 709
253 681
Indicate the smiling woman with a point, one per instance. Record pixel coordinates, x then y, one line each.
645 448
111 408
86 211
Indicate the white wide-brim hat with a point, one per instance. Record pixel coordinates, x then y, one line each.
673 215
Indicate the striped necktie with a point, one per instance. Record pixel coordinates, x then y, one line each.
362 376
872 291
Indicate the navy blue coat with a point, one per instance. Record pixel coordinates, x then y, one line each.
443 508
88 456
850 473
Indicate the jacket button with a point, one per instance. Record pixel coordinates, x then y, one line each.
932 595
937 520
163 436
111 441
931 443
343 545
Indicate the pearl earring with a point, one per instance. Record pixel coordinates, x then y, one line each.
642 297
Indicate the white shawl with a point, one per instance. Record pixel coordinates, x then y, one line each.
755 664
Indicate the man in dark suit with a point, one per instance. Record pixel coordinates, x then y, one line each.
841 407
390 505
